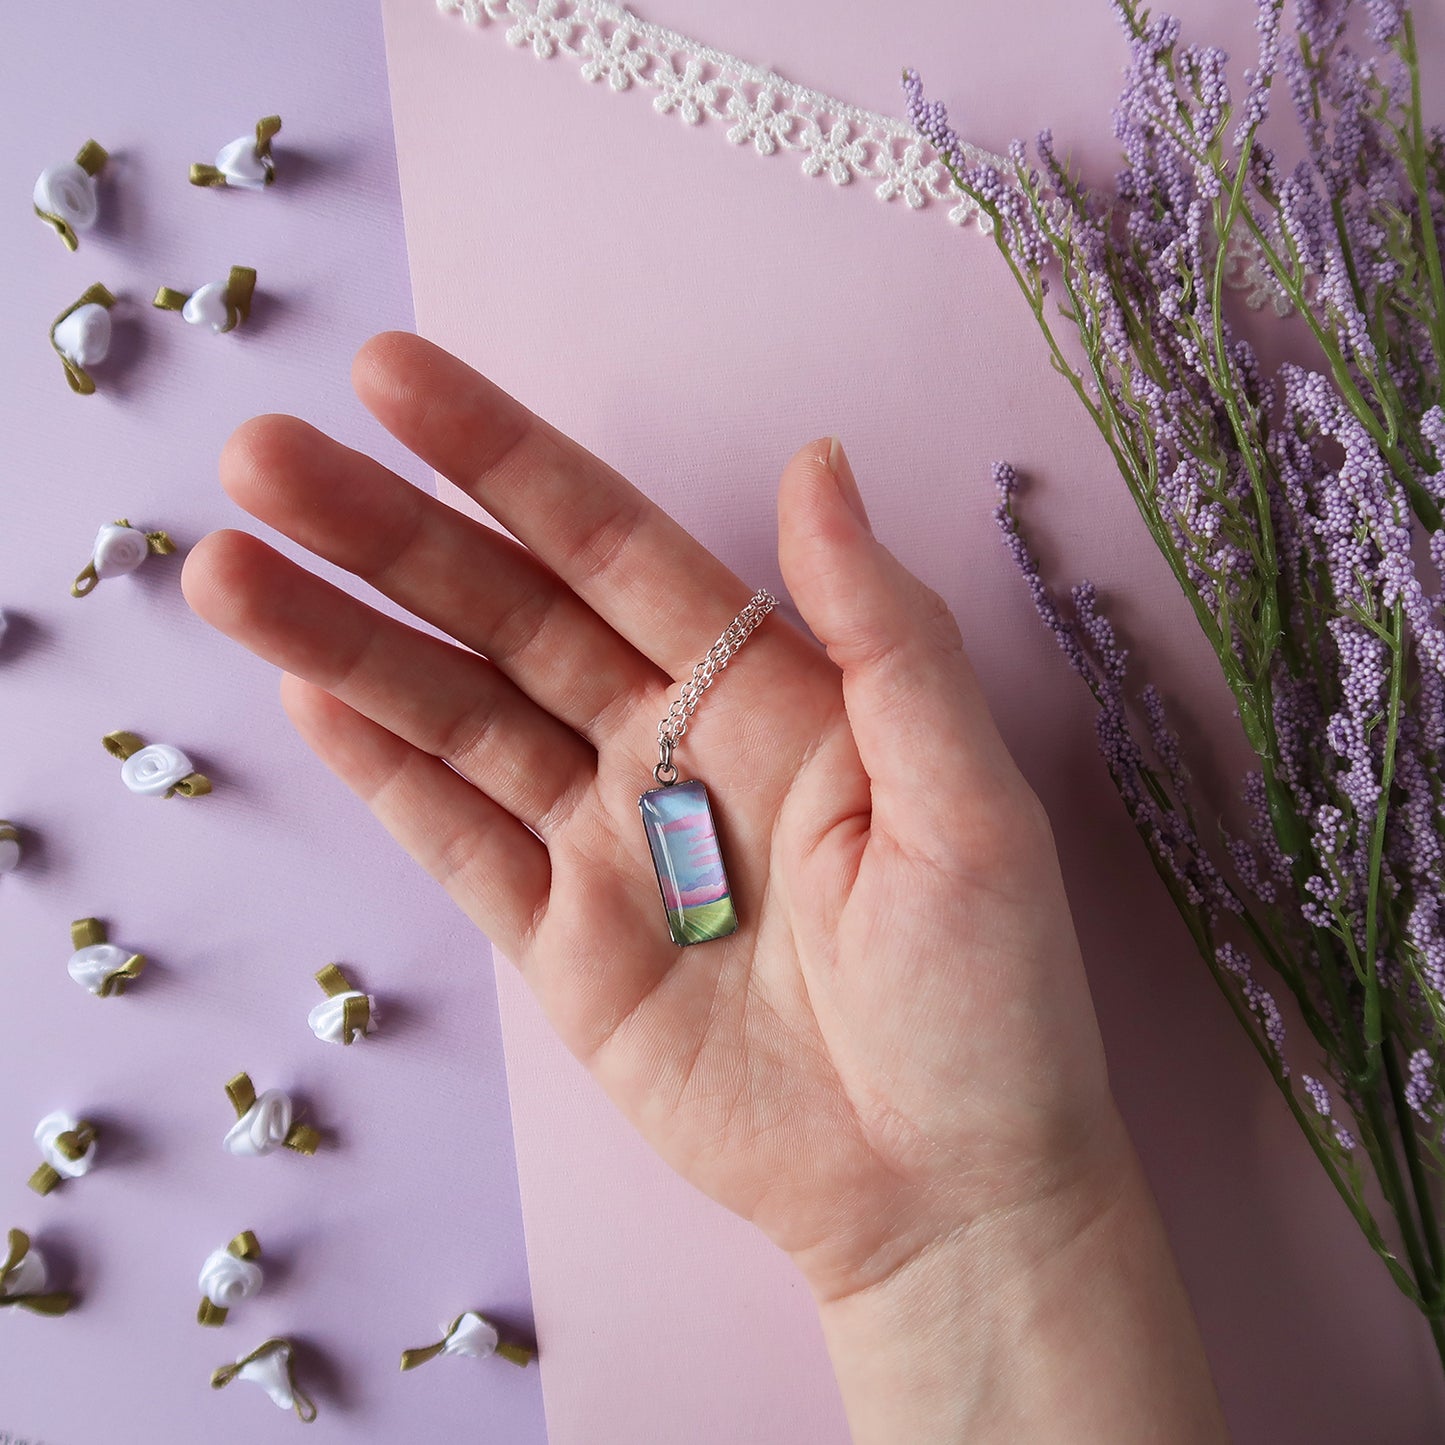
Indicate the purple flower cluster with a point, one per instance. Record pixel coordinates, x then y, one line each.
1319 1096
1091 645
1300 509
1261 1002
1420 1091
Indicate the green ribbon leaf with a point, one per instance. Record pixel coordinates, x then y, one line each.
242 1094
87 932
91 157
122 744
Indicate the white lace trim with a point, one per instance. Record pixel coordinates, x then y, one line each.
694 82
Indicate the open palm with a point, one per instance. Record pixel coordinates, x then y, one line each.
899 1034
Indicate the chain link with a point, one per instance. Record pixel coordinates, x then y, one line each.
671 729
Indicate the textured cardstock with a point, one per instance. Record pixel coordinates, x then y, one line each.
694 312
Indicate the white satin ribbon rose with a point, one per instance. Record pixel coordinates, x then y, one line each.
272 1373
221 305
245 163
474 1338
83 337
118 549
46 1133
9 847
328 1018
471 1336
92 965
70 193
269 1366
242 166
262 1128
226 1279
155 768
210 305
30 1276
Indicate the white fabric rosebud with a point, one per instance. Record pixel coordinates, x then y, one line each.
9 847
269 1366
208 306
154 769
328 1018
24 1278
119 549
228 1276
98 964
242 165
226 1279
262 1128
474 1338
264 1122
346 1013
93 966
66 196
83 336
30 1276
470 1336
80 335
272 1373
221 305
70 193
245 163
47 1136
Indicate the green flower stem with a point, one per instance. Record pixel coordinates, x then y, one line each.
1373 1025
1248 442
1424 505
1429 1223
1199 930
1398 1197
1416 169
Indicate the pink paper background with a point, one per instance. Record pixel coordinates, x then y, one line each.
411 1214
693 313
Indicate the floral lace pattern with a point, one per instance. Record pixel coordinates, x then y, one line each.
759 108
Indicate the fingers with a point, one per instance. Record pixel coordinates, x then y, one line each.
489 863
634 566
449 703
463 577
911 695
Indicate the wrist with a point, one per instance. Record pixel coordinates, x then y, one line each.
1060 1316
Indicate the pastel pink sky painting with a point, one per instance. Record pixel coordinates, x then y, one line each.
684 846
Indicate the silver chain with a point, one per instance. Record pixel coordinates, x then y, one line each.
671 729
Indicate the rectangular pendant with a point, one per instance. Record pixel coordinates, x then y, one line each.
683 840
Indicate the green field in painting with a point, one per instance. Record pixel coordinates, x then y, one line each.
707 920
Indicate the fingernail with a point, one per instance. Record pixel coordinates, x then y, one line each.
842 470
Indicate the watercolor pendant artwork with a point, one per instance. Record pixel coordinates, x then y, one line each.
683 839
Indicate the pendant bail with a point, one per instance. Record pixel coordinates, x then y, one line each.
665 772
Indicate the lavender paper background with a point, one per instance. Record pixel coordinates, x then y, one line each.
237 898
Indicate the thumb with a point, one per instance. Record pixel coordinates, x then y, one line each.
917 712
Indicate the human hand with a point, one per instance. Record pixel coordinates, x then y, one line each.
895 1056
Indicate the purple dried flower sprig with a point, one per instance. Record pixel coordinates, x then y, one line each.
1299 511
